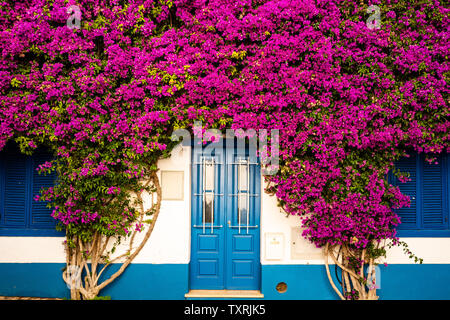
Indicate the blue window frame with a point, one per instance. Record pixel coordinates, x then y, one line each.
428 214
20 214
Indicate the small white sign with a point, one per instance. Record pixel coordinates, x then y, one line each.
274 243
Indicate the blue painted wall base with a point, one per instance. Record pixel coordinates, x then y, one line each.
170 281
397 282
149 282
138 282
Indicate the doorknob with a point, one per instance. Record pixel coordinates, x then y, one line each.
229 223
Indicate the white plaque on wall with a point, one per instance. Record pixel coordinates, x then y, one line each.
274 244
301 248
172 185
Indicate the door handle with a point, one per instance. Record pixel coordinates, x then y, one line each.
243 226
201 226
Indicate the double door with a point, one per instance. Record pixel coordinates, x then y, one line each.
225 237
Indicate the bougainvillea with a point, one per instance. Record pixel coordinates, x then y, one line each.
348 100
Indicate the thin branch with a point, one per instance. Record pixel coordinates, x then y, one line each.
155 179
347 281
361 271
111 262
350 272
329 275
105 245
132 236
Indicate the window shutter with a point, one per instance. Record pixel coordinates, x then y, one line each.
409 214
41 215
432 190
15 191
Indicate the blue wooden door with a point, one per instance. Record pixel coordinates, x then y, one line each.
243 220
225 220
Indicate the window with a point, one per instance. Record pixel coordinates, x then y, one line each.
209 168
428 215
20 214
243 193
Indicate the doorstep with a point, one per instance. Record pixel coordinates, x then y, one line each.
250 294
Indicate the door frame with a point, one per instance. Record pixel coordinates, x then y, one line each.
225 266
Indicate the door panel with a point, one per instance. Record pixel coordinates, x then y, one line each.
243 212
207 249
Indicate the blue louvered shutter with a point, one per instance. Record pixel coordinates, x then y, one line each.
408 215
432 190
15 195
41 215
